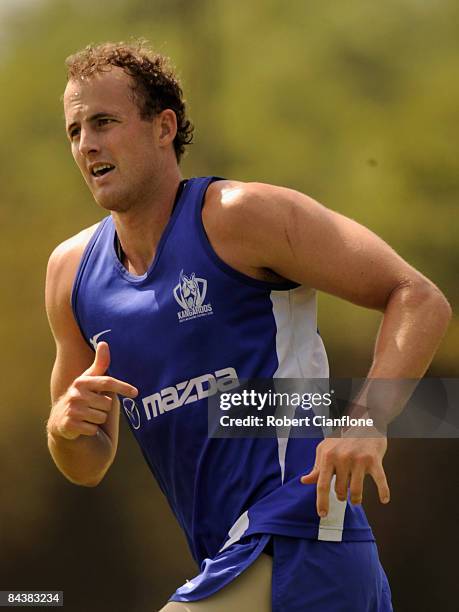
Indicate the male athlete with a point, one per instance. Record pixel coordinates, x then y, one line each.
186 286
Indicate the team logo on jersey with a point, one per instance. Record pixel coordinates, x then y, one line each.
190 294
132 412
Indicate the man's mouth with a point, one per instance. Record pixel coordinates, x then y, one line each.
99 170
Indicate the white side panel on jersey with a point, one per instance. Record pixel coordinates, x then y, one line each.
301 354
300 350
331 527
237 530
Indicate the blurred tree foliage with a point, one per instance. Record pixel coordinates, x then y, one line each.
354 103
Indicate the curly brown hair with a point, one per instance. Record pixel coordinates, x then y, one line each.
155 87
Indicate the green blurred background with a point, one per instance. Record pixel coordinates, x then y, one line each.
355 103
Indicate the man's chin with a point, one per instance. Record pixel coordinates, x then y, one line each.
110 203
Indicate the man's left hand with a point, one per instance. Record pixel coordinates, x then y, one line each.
351 459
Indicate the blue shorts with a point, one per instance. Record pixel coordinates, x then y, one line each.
307 575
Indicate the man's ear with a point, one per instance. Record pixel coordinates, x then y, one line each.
167 122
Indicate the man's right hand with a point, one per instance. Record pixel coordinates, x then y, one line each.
86 403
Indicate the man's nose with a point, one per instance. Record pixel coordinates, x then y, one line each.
88 142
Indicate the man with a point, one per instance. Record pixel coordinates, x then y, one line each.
187 286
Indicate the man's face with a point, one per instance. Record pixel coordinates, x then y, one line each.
118 153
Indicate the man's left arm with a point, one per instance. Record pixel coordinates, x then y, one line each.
299 239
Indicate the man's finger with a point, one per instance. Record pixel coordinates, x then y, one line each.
312 477
356 486
98 400
72 430
107 384
380 479
101 361
342 483
95 417
323 489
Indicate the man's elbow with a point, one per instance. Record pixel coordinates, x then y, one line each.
431 293
90 483
84 483
420 292
80 481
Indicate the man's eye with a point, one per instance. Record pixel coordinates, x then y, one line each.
104 121
73 133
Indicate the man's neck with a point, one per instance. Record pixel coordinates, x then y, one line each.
139 231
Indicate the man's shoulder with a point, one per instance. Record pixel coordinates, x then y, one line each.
65 259
72 248
243 201
74 245
242 221
237 207
235 194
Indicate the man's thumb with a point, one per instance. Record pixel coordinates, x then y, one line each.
101 360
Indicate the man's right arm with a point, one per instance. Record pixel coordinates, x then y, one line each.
83 424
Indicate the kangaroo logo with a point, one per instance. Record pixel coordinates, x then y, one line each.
191 291
190 294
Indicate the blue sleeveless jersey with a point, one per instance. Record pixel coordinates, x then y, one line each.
192 317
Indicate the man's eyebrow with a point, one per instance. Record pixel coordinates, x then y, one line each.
100 115
91 118
71 126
